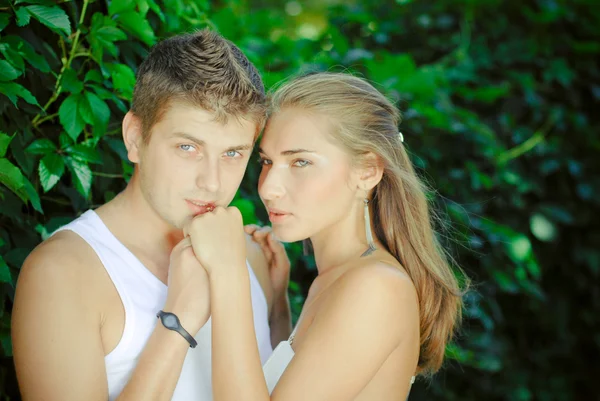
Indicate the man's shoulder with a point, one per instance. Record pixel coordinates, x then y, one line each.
64 255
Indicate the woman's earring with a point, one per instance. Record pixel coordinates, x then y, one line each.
368 229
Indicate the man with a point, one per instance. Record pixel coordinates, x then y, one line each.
85 321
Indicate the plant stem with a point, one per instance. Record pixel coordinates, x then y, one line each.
66 64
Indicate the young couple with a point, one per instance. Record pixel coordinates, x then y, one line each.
334 171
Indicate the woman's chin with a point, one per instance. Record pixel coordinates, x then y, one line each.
287 235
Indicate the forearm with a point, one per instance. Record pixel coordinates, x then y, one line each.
237 371
158 369
280 320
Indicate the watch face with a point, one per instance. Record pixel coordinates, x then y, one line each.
170 321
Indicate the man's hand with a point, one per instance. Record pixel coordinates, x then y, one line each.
189 291
218 240
277 259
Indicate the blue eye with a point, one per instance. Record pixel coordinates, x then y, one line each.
186 147
301 163
232 153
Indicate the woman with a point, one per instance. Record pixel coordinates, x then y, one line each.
385 301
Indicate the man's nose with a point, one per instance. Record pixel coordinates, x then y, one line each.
209 177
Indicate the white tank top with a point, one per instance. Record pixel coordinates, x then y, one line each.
143 295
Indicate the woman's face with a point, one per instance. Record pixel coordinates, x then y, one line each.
306 182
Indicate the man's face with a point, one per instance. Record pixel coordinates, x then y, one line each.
192 163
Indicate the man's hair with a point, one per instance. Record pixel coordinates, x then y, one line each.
201 69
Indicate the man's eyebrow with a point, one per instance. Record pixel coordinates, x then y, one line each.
240 147
188 137
200 142
290 152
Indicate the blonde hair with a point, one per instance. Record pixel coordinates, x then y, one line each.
366 122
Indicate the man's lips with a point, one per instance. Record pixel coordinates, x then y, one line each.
200 207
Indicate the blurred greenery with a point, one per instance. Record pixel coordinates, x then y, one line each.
498 100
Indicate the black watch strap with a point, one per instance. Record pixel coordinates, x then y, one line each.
171 322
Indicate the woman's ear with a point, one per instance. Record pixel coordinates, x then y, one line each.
370 172
132 136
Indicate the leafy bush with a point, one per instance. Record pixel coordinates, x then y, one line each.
498 100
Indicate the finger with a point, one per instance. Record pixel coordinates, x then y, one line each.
278 250
251 228
181 245
261 234
267 252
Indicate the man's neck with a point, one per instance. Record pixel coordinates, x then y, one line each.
131 219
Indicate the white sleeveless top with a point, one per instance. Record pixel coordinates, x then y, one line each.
143 295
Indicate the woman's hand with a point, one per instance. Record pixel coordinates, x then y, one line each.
218 240
277 259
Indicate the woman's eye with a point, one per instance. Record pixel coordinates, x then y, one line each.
186 148
264 162
300 163
232 153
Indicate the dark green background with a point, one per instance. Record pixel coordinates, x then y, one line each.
498 100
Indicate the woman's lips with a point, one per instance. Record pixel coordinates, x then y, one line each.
278 216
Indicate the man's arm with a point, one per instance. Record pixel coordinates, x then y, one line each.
58 348
58 351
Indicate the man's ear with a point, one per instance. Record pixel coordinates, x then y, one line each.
370 172
132 136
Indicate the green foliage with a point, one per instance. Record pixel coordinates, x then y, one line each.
498 101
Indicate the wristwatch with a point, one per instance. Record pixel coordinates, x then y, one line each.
171 322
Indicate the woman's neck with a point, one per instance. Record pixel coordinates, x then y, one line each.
341 242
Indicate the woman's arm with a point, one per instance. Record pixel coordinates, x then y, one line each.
236 367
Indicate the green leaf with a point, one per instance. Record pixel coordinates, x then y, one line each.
11 176
51 168
123 79
111 33
41 147
69 116
138 26
26 50
542 228
81 176
519 248
156 8
94 76
85 111
120 6
7 71
13 57
4 20
65 140
23 16
99 108
246 208
103 30
84 153
13 91
31 192
143 7
53 17
70 83
5 276
4 142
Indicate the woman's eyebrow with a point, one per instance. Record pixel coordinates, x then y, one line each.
290 152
